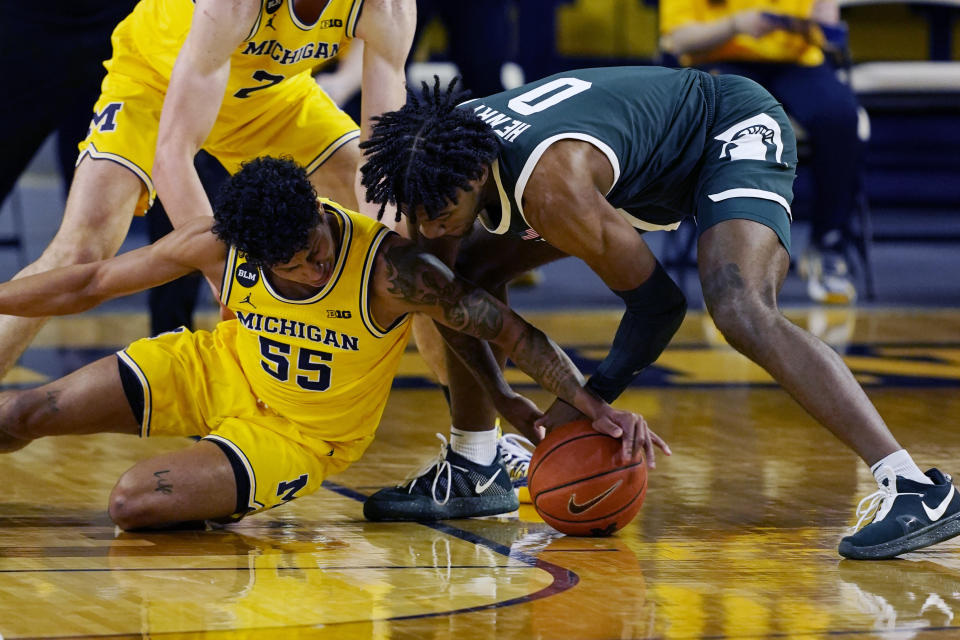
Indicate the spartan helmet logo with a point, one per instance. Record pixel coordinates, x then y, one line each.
755 139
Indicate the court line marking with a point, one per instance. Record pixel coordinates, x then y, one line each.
563 579
333 568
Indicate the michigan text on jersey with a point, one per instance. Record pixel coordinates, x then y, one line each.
274 49
296 329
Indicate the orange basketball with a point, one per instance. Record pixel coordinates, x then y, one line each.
578 486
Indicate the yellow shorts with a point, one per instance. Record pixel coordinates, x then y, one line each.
191 384
295 118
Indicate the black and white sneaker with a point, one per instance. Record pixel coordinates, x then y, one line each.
516 453
449 487
907 515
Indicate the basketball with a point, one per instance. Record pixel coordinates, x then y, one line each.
579 487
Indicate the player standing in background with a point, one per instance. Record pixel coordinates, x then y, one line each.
232 77
582 163
291 390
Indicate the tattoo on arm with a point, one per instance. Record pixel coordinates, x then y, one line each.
163 486
543 360
415 278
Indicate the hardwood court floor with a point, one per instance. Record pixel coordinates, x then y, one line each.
737 538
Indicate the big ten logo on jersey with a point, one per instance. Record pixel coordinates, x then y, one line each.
247 275
105 120
273 5
340 314
757 138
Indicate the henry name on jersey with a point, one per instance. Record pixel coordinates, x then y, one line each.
511 129
296 329
279 53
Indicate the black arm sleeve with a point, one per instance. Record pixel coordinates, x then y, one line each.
654 312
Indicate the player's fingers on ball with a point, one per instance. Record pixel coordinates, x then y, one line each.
650 453
660 442
628 443
608 427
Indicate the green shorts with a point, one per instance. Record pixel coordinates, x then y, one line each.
750 160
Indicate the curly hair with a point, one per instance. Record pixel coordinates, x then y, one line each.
421 154
267 210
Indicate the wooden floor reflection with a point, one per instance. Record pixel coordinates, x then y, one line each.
737 538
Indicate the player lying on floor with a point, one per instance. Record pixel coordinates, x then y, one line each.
291 390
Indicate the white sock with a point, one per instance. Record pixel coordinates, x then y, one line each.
475 446
902 465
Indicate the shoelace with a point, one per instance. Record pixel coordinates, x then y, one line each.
442 465
880 501
516 456
875 502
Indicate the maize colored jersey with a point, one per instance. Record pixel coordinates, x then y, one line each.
322 361
278 47
777 46
271 105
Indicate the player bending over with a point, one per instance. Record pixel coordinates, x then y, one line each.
582 163
291 390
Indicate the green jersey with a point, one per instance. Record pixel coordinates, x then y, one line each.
650 122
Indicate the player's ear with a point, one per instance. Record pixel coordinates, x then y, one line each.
484 173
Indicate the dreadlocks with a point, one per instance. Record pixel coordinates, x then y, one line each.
421 154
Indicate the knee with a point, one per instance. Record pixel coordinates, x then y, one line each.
18 418
66 250
745 319
127 508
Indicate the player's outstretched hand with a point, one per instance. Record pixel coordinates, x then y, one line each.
522 413
632 429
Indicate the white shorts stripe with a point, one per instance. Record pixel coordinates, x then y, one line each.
147 394
752 193
252 498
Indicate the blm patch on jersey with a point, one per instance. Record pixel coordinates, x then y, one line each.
247 275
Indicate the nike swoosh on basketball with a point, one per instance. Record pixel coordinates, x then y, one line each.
576 509
482 486
935 514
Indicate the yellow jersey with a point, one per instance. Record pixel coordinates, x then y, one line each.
279 45
777 46
322 361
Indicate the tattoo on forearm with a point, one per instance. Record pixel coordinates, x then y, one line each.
547 363
415 280
163 486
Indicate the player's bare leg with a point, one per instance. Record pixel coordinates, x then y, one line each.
99 208
89 400
196 483
742 266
